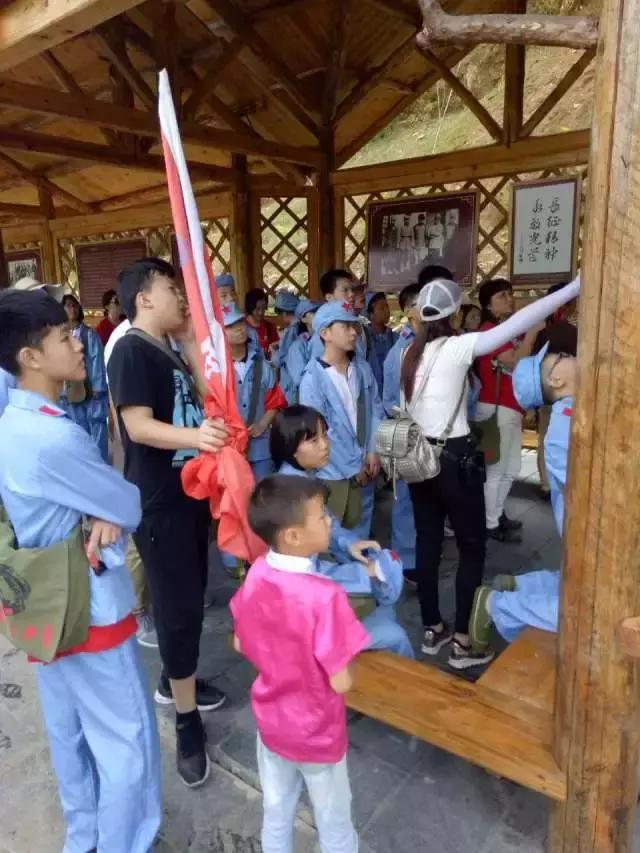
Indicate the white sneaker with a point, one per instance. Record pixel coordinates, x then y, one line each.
146 633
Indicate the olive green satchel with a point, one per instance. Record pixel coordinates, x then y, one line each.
487 432
44 594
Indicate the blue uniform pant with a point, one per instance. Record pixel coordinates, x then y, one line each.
403 528
330 795
386 633
103 738
534 603
97 429
363 527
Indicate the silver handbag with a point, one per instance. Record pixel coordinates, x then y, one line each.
405 452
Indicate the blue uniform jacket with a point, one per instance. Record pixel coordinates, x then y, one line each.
298 359
51 475
98 407
556 454
349 573
258 449
346 456
280 359
391 370
7 382
378 348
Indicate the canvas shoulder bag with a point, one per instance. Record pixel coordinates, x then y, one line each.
258 366
487 432
405 452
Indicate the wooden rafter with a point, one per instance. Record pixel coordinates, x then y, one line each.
468 98
112 44
24 211
43 184
242 27
276 7
90 111
28 27
374 77
439 27
402 11
430 78
205 87
573 74
339 35
90 152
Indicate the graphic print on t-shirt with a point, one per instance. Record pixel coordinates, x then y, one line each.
186 413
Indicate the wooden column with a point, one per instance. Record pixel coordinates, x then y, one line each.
4 270
326 209
48 251
597 715
514 71
243 231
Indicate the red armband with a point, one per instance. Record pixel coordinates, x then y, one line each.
275 399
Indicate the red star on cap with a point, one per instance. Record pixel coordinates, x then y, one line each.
346 306
226 309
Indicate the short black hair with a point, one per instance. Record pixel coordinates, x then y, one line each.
107 296
407 293
290 427
377 297
329 279
432 272
255 295
279 502
137 277
358 287
26 318
69 297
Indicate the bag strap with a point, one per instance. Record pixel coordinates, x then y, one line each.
447 430
177 361
498 377
361 416
258 364
423 384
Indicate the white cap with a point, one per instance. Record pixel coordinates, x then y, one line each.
439 299
28 283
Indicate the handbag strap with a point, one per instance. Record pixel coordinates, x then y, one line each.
258 364
498 377
423 383
177 361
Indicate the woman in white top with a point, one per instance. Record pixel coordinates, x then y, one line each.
434 383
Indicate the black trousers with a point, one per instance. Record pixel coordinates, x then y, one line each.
174 546
450 495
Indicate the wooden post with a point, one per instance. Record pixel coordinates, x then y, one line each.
48 254
4 269
242 231
597 713
326 235
514 72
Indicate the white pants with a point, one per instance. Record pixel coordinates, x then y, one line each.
330 795
500 476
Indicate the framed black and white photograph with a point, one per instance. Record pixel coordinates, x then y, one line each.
23 264
404 235
545 225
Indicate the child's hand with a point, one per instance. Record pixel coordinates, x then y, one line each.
372 465
357 550
103 534
257 429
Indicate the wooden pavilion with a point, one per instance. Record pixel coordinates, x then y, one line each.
274 97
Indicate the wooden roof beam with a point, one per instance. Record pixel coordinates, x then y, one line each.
44 184
111 43
25 211
241 26
89 152
468 98
341 15
102 114
28 27
439 27
401 11
277 7
573 74
205 87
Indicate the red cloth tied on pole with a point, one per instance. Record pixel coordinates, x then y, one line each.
225 478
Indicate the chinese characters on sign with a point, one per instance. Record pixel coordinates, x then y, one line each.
544 231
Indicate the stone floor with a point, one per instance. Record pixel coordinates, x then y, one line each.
408 795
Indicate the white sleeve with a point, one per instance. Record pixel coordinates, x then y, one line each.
524 319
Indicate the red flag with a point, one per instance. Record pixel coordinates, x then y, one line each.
225 477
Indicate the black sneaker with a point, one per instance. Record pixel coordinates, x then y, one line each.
192 759
434 640
507 523
502 535
208 697
464 657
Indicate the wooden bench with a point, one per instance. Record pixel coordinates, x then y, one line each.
502 723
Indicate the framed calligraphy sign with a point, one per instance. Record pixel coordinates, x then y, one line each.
404 235
545 221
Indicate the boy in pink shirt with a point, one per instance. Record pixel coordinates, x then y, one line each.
299 631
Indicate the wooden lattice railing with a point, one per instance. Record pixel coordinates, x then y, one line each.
493 231
284 244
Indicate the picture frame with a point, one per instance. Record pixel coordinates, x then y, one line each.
23 263
404 235
547 254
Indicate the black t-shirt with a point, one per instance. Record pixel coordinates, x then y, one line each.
142 375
